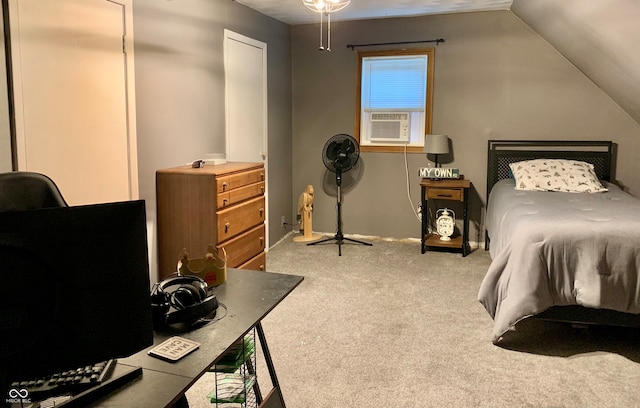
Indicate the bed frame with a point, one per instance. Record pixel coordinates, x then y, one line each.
501 153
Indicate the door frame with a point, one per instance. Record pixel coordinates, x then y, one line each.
231 35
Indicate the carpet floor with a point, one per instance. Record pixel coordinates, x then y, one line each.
386 326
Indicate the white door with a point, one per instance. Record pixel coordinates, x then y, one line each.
246 98
245 61
73 81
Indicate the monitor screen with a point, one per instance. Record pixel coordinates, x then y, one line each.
75 286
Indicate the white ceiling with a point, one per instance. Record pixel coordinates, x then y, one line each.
294 12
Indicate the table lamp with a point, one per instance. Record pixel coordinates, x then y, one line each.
436 144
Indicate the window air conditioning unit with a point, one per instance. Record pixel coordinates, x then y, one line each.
389 126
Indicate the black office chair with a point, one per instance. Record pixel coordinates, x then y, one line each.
25 190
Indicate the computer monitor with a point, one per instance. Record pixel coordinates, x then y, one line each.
75 287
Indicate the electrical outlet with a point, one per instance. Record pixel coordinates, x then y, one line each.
282 221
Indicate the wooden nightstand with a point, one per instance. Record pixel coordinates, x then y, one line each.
434 191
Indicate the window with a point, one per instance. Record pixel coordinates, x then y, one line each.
394 99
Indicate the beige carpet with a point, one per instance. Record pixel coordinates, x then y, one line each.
385 326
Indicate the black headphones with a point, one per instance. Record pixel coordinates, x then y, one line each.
187 303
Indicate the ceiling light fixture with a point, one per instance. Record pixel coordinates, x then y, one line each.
326 7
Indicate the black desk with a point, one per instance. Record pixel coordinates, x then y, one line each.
249 296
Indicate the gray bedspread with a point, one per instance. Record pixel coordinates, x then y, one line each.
555 249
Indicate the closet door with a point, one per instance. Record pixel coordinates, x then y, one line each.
245 61
246 98
74 104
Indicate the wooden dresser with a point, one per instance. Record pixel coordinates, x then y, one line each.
221 205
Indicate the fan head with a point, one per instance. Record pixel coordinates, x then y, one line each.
340 153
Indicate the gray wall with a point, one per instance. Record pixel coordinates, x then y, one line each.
494 79
180 91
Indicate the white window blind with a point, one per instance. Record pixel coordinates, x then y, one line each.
394 83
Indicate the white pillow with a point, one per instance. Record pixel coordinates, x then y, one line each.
556 175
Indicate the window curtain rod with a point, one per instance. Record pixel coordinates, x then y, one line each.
438 41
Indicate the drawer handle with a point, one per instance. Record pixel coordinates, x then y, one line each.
225 202
445 195
261 212
227 226
262 189
261 268
224 186
262 176
261 240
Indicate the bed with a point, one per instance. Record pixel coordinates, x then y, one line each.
568 256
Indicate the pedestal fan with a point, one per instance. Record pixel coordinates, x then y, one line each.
340 154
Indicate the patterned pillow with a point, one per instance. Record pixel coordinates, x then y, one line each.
556 175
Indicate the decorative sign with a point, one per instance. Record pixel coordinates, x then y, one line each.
174 348
439 173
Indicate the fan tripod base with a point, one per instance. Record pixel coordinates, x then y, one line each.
339 238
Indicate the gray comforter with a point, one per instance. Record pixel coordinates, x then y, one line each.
551 248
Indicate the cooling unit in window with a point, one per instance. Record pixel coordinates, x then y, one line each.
389 127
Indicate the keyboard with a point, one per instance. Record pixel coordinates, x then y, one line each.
70 382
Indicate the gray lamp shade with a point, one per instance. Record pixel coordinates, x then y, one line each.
436 144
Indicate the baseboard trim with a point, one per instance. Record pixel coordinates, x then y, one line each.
473 244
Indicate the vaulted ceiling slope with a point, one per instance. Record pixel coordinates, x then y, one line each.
598 37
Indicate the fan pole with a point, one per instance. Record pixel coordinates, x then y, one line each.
339 237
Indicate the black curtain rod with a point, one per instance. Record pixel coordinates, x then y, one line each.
438 41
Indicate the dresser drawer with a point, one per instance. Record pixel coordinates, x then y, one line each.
257 263
233 181
445 194
240 194
244 247
238 218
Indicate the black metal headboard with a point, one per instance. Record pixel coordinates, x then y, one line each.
504 152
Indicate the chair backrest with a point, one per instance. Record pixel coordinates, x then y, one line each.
24 190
